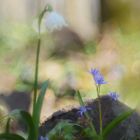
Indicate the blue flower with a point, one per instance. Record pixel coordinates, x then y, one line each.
114 96
98 78
54 21
82 110
43 138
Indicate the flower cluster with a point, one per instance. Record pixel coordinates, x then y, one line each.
98 78
83 109
114 96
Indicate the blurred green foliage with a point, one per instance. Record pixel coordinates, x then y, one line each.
17 49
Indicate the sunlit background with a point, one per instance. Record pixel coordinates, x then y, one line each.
101 34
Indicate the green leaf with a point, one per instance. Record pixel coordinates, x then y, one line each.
64 130
27 118
7 136
38 105
7 128
89 134
31 127
115 122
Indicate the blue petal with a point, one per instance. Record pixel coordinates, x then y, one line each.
97 76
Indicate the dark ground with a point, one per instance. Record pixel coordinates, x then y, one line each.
127 130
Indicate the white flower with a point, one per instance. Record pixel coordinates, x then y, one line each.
54 21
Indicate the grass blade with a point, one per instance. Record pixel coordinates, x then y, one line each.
38 105
31 127
27 118
116 122
7 136
7 128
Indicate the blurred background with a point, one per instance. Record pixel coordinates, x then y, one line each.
101 34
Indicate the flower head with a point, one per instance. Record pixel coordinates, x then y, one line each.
82 110
114 96
43 138
54 21
98 78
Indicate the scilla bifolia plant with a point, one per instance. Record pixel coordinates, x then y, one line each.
104 132
52 22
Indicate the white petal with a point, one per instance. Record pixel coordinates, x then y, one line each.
54 21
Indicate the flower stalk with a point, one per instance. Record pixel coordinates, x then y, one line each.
100 109
99 80
47 8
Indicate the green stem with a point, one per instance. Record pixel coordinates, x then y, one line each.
100 109
37 57
37 65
